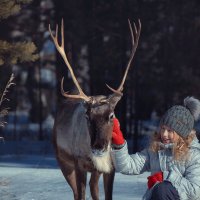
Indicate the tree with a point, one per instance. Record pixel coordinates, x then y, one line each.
12 53
4 111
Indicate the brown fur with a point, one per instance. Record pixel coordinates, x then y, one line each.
82 136
76 138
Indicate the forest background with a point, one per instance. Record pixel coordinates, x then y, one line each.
165 69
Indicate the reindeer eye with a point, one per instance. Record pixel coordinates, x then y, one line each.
111 116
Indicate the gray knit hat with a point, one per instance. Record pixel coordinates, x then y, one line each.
181 118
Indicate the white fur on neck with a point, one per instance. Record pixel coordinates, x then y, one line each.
103 163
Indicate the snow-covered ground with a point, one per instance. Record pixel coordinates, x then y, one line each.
30 177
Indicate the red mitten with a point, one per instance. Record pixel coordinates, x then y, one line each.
117 136
157 177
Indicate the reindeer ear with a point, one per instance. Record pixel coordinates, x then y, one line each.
113 100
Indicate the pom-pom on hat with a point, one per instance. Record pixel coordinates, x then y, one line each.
181 118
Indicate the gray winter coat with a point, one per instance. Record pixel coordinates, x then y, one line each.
184 176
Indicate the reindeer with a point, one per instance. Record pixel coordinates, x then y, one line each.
83 130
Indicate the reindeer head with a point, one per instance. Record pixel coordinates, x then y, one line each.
100 116
99 109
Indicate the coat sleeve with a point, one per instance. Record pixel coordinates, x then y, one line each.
130 164
188 184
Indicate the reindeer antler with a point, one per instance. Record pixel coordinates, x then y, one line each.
135 40
61 50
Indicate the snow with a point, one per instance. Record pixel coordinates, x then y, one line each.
33 177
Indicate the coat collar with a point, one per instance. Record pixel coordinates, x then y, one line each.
166 146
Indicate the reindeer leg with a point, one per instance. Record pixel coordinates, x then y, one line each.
81 179
94 188
70 176
108 180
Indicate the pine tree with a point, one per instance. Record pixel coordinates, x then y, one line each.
12 53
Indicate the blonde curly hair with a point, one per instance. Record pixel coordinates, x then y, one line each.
180 149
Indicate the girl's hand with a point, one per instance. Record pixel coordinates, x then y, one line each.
117 136
153 179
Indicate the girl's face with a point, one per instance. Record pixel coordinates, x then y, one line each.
167 135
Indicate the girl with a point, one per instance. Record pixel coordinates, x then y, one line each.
173 157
